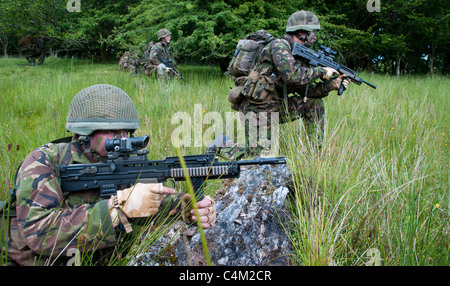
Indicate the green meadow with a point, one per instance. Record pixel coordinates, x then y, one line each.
376 193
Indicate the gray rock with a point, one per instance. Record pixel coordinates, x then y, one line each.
249 225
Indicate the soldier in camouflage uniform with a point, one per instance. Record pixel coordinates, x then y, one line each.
131 62
33 48
290 76
51 223
161 52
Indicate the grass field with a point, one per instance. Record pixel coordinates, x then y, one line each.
376 193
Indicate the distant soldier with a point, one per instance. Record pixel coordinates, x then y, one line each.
33 48
161 56
51 224
130 62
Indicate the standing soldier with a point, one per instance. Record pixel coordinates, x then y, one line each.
281 74
50 223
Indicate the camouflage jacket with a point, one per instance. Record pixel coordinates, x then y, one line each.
49 222
277 61
163 50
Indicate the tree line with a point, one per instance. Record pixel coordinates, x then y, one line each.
395 36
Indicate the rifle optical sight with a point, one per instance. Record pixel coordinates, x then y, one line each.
327 51
130 144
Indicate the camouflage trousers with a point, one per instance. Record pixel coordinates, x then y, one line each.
159 72
310 110
164 72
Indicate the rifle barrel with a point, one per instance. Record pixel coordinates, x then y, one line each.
369 84
262 161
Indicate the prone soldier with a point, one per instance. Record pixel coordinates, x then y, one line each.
130 62
50 223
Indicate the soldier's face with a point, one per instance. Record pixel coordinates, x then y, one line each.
310 38
99 137
168 38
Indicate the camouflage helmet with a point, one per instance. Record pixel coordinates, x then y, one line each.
303 20
163 33
101 107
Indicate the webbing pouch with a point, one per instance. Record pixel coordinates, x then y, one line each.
258 88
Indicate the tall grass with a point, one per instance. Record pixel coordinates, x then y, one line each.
377 192
380 184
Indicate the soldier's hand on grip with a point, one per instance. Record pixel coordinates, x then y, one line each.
329 72
336 83
206 209
142 200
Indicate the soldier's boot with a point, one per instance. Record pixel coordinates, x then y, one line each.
133 71
239 152
30 60
219 143
226 148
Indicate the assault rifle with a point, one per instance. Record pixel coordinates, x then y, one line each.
169 63
325 57
127 164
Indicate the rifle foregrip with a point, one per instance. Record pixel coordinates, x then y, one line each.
342 87
197 184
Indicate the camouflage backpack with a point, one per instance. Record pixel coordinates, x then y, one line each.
247 52
146 53
248 83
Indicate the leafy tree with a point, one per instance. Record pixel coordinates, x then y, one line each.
204 31
430 35
96 24
90 30
405 36
29 18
